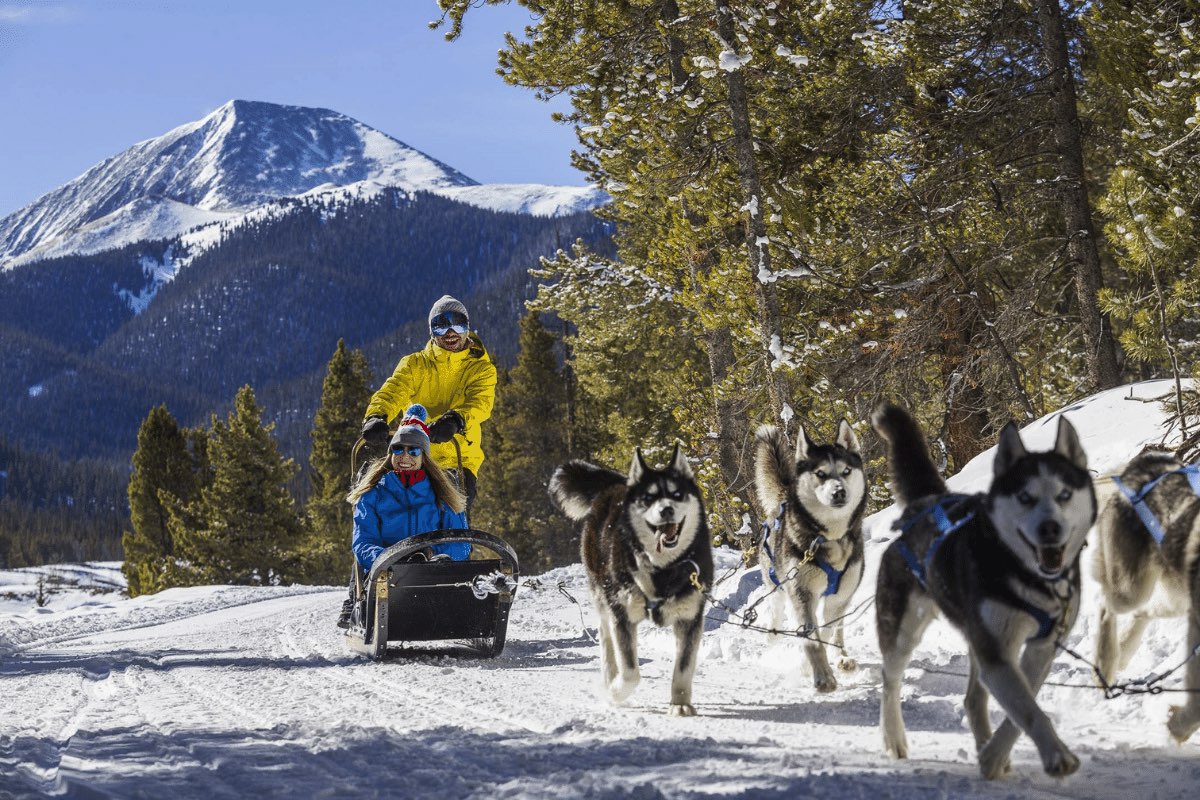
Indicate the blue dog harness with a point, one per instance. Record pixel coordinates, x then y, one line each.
833 576
1138 499
940 512
941 517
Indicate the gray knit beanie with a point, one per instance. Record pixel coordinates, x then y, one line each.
447 304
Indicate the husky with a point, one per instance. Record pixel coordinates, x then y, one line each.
1003 567
1148 563
812 547
645 545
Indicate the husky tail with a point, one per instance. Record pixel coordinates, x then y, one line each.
575 485
913 472
774 469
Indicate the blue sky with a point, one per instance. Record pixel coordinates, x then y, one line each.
81 80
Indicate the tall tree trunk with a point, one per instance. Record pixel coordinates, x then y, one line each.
1077 210
759 256
734 453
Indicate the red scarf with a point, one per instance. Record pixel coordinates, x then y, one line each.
410 476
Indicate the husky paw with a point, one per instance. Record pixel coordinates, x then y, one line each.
825 683
1180 726
847 664
1060 763
993 763
897 749
682 710
622 687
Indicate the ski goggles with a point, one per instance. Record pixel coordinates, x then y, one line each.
450 321
412 451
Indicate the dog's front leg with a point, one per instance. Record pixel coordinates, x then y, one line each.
1183 720
835 611
624 645
687 649
1015 692
814 648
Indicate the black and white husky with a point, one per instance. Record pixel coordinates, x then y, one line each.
812 547
644 536
1003 567
1148 564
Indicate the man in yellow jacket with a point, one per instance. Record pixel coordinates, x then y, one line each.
454 378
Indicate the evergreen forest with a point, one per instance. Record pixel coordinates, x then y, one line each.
985 209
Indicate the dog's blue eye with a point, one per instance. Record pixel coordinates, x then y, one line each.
845 472
821 474
1026 499
1064 496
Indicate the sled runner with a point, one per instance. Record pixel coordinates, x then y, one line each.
406 598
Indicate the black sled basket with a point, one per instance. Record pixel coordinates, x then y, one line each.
402 601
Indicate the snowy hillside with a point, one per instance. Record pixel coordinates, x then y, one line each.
235 692
239 158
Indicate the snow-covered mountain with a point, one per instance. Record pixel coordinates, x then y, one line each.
237 159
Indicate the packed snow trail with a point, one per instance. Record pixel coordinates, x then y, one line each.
236 692
222 692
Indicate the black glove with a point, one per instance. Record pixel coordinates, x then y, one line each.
376 434
446 426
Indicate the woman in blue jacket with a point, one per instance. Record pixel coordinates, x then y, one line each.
405 494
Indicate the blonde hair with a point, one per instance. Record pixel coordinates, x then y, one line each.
444 487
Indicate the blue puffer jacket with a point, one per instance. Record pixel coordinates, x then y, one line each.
391 511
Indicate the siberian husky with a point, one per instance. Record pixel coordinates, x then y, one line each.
812 547
1148 538
644 537
1003 567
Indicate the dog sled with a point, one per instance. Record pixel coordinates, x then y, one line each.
406 598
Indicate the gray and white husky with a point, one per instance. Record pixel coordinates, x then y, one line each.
1003 567
813 547
1147 565
644 536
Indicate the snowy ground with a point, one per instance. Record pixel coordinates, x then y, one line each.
238 692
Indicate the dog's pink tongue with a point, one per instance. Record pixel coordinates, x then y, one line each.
668 533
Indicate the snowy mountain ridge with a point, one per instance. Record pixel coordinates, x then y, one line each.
242 156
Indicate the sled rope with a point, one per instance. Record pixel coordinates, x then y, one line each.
746 618
533 583
1148 684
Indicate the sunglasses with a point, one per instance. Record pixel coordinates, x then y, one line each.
444 323
412 451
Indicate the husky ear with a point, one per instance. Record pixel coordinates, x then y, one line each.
679 462
637 468
1009 450
801 444
847 438
1067 444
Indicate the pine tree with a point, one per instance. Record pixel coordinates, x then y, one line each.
243 527
344 394
162 463
528 441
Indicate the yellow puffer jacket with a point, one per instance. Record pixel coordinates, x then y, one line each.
440 380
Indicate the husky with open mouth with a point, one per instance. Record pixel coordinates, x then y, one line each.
1003 567
644 538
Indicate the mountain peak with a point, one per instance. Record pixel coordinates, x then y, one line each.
240 156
